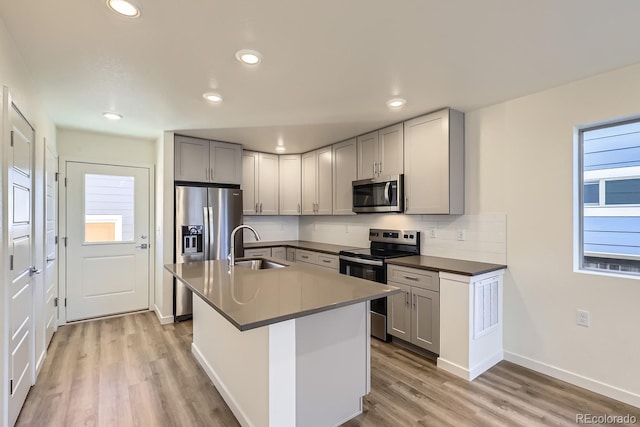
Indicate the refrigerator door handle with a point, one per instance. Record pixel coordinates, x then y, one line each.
205 243
211 236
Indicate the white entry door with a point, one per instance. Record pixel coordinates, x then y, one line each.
107 248
20 292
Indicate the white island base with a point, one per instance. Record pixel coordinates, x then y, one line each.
309 371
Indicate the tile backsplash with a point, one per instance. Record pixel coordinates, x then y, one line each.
484 236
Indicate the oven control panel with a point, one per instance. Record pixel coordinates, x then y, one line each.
400 237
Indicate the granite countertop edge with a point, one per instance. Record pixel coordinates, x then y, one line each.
329 248
288 316
463 267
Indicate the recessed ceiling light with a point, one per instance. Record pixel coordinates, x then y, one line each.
396 103
249 57
112 116
280 148
212 97
124 8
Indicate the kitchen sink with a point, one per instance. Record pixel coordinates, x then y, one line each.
258 264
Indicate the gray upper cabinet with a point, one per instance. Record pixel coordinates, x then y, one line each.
381 152
290 184
259 183
344 173
201 160
317 185
191 159
434 163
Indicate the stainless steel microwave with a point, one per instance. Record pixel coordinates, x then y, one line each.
382 194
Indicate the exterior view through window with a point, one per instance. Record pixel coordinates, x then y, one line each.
610 198
108 201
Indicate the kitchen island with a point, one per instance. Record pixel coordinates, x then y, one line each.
284 346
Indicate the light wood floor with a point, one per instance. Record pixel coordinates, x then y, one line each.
130 371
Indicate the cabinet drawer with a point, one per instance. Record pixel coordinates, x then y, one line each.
260 252
413 277
329 261
306 256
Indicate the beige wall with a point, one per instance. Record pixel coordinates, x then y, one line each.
92 146
520 157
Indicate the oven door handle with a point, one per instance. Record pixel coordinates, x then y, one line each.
362 261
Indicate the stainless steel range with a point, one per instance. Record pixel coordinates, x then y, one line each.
370 263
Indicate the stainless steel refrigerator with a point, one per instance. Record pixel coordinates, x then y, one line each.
205 217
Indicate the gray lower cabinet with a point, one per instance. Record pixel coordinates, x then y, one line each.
318 259
279 252
414 314
291 254
258 252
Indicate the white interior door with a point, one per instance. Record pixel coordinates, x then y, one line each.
51 246
20 293
107 249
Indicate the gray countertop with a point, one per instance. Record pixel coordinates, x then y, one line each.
300 244
254 298
448 265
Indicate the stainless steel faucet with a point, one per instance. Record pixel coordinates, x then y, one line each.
232 242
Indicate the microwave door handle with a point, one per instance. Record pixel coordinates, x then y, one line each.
387 193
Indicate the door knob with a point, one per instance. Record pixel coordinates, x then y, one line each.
33 270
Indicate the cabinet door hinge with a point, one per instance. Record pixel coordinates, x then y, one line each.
65 182
55 302
65 302
55 240
12 138
65 241
11 386
56 176
10 262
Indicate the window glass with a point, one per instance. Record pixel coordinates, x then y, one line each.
109 208
591 193
622 192
610 198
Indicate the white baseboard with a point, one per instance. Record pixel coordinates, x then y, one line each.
224 392
575 379
164 320
472 373
487 363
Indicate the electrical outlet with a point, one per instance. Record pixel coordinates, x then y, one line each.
433 233
462 234
583 318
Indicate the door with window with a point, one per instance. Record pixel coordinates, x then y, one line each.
107 239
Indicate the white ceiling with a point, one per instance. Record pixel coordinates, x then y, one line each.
329 65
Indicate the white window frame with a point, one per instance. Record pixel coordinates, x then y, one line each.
580 210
